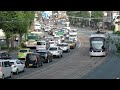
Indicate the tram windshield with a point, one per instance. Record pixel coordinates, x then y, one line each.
97 42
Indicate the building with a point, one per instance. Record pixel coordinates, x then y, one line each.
109 17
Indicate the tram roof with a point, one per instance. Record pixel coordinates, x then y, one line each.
99 35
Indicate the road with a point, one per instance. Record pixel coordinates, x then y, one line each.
77 64
73 65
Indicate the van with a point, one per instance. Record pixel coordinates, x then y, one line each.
33 59
5 69
42 45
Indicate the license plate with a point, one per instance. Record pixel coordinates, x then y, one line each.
30 64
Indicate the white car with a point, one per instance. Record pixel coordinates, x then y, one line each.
56 51
17 66
5 69
52 43
64 47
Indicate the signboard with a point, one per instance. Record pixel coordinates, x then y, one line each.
59 33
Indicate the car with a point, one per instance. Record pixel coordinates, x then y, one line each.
65 47
52 43
5 69
47 56
42 44
17 66
5 55
71 44
56 51
33 60
22 53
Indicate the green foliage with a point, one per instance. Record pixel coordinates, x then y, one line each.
97 14
113 27
15 22
118 48
117 32
78 13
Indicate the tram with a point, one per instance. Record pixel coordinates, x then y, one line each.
99 44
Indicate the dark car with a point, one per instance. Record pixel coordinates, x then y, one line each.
33 59
5 55
46 55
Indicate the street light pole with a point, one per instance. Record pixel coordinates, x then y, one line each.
90 18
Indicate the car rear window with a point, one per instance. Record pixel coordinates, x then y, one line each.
23 51
40 43
31 57
63 44
53 48
11 63
4 54
42 53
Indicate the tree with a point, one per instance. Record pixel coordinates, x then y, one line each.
15 22
97 15
25 19
84 14
7 24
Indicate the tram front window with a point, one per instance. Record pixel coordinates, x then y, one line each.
97 43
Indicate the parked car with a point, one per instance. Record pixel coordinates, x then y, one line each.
5 55
71 44
17 65
5 69
23 52
33 59
64 46
56 51
46 55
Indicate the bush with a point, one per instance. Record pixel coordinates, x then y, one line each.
113 27
117 32
118 48
4 47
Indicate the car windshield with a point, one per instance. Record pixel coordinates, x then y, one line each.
53 48
32 37
97 43
72 35
32 56
23 51
40 43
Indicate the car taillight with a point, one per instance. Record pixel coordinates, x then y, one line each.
14 66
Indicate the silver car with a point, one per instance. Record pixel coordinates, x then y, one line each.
64 47
56 51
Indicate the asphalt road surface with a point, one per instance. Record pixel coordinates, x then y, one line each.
73 65
77 64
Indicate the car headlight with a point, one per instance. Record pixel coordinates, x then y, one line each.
34 42
26 42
